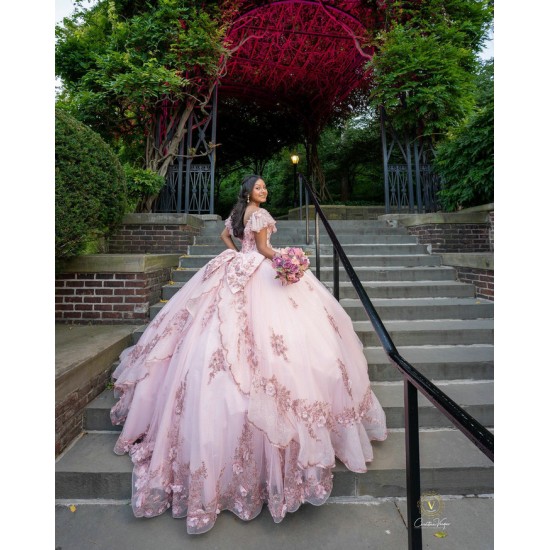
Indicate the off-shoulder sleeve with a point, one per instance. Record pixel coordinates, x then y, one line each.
260 219
227 224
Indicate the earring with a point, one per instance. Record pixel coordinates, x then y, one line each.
247 199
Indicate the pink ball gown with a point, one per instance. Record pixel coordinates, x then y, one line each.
242 392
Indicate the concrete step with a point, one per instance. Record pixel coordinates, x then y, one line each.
408 289
353 238
97 413
475 397
339 226
298 234
180 275
406 260
367 274
394 273
450 464
349 249
429 332
398 309
443 362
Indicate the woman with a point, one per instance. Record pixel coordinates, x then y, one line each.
242 390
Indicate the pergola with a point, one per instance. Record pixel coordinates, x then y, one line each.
308 54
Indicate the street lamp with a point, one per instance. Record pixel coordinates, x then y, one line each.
295 159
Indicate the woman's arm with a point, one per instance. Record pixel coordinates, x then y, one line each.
226 238
261 244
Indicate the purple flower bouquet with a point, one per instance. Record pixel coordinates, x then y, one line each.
290 264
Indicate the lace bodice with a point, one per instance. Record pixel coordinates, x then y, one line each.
258 220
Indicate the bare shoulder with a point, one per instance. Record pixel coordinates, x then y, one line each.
248 212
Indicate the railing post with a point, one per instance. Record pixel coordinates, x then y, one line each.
336 273
419 183
307 213
300 193
307 206
317 248
409 174
412 449
385 159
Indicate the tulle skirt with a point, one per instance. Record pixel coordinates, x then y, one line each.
242 392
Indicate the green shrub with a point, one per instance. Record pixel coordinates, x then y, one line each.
90 187
465 159
466 163
141 184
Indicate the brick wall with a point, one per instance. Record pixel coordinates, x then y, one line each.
483 279
492 230
108 297
152 239
69 413
453 237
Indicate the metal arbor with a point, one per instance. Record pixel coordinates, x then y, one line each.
403 190
190 179
308 54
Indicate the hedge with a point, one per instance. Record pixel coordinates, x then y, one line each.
90 187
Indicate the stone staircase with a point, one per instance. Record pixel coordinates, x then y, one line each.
437 324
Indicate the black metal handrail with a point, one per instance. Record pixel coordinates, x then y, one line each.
414 381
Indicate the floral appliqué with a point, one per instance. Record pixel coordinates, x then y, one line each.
208 315
217 364
332 322
293 302
345 377
278 345
350 415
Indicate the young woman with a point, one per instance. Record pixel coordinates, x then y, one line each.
244 391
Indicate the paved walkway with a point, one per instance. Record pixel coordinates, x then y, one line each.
376 525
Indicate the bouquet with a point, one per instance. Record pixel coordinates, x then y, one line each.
290 264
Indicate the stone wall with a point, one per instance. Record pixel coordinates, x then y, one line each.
154 234
111 288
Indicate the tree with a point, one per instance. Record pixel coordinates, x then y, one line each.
426 62
350 153
134 71
465 160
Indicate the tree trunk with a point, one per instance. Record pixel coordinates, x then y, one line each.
344 188
315 169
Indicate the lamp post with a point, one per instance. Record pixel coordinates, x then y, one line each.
295 160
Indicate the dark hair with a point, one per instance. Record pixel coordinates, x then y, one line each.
237 214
